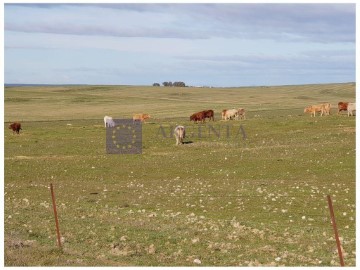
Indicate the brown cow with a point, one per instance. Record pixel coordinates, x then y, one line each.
141 117
342 106
209 114
199 116
15 127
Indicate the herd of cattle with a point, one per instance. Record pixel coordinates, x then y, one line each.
228 114
236 114
324 108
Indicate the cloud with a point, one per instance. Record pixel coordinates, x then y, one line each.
213 44
104 30
285 22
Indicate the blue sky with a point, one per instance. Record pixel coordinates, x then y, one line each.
199 44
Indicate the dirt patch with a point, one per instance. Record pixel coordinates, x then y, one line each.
14 243
38 157
350 129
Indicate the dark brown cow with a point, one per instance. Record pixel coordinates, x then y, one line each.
199 116
209 114
15 127
342 106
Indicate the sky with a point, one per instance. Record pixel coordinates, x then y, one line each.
213 44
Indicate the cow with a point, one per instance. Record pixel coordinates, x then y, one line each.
16 127
223 114
342 106
108 121
141 117
232 113
199 116
351 108
313 109
209 114
179 133
241 113
327 108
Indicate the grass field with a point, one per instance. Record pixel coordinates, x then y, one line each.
231 198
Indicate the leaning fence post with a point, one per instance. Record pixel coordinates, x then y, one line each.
55 214
335 230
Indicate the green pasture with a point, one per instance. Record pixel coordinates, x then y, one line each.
237 193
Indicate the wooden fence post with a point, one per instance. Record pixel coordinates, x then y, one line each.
55 214
335 230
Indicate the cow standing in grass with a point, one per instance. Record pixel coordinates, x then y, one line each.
231 114
241 113
209 114
179 133
223 114
351 108
140 117
342 106
327 108
323 109
108 121
16 127
199 116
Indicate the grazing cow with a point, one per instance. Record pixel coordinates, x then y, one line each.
313 109
342 106
108 121
209 114
199 116
179 133
241 113
141 117
327 108
223 114
232 113
15 127
351 108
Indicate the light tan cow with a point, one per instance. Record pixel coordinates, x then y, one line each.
351 108
141 117
313 109
327 108
241 113
232 113
179 133
223 114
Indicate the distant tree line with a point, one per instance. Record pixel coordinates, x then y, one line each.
171 84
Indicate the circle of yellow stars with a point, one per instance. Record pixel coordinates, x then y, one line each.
118 144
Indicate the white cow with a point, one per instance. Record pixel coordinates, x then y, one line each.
179 133
108 121
351 108
232 113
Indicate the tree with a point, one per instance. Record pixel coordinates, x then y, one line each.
179 84
156 84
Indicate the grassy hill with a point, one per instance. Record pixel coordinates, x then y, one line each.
91 102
